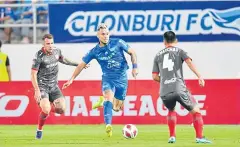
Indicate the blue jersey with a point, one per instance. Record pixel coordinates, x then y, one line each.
8 12
110 57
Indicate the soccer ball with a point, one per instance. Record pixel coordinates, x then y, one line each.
130 131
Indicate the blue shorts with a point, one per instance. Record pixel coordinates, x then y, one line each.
119 87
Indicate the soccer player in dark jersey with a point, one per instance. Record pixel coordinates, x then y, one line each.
44 76
109 53
167 69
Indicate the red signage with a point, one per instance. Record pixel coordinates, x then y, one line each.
219 101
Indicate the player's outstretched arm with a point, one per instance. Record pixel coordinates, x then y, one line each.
66 61
77 71
194 69
133 55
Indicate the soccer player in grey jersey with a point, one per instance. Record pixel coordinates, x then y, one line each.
44 76
167 69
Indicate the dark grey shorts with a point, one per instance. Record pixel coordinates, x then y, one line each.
52 93
184 98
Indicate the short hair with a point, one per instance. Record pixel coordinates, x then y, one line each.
169 37
0 43
48 36
102 26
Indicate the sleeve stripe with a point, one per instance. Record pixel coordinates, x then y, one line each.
35 69
155 72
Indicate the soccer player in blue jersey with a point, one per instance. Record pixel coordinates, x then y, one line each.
110 55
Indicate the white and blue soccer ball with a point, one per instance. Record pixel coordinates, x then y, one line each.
130 131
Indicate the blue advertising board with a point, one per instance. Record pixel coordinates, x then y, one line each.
146 21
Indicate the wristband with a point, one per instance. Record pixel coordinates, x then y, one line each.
134 65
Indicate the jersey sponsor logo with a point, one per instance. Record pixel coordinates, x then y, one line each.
16 111
112 64
105 56
51 65
172 80
156 22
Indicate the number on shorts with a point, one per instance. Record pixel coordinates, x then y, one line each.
167 63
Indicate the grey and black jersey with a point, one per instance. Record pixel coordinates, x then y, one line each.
168 63
47 67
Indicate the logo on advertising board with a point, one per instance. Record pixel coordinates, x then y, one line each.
156 22
15 111
78 106
211 21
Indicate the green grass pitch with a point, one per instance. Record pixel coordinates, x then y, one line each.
94 136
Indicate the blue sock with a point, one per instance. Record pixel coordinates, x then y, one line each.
107 111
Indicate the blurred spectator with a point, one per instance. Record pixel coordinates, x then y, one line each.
26 18
8 17
5 72
42 18
42 13
53 1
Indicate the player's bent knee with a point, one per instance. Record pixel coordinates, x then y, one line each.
195 110
45 105
116 109
108 95
59 110
118 106
46 109
108 99
60 105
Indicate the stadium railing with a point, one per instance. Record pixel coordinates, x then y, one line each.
33 25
